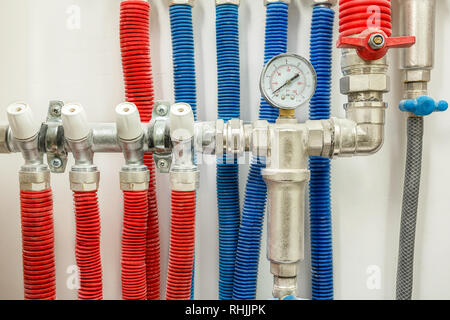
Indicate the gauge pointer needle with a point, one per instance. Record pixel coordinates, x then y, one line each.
287 83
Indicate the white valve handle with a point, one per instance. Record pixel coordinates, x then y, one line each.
75 122
181 122
128 121
22 122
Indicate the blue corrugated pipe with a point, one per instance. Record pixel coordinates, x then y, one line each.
227 41
319 189
183 55
248 249
184 63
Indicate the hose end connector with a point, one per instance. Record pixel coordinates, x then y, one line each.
235 2
266 2
134 178
328 3
423 106
182 2
34 181
85 180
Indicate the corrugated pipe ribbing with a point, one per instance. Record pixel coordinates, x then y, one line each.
182 245
227 37
87 248
184 63
137 71
183 55
133 273
249 241
38 241
319 186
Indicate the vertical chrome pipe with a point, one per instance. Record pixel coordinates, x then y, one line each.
417 17
286 176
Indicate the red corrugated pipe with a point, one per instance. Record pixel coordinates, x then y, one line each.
137 70
134 286
38 245
182 244
355 16
87 249
365 25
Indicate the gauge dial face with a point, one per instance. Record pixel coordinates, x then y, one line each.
288 81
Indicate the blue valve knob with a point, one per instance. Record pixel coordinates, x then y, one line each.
423 106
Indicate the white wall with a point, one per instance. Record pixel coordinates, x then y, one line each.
41 58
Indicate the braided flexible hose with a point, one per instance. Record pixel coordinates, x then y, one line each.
411 188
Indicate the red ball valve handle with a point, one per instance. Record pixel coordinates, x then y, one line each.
373 44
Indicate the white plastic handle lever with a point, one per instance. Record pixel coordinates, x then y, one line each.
181 122
21 121
76 126
128 121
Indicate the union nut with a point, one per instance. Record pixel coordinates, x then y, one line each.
260 138
84 180
134 180
320 136
184 180
364 83
234 136
34 181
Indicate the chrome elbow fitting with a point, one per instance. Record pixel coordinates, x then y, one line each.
364 82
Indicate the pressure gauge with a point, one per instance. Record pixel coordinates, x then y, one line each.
288 81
